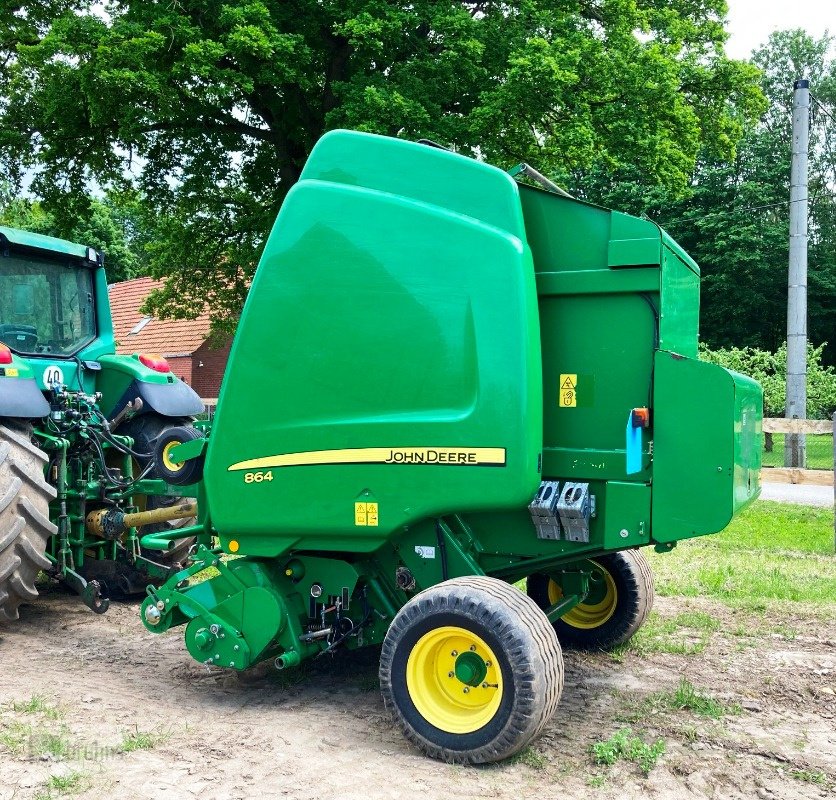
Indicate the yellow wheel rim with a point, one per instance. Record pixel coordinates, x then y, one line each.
590 615
167 462
454 680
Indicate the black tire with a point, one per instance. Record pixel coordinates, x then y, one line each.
145 429
25 527
187 472
528 670
632 582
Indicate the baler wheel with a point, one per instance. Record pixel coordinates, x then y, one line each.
25 527
145 430
621 596
471 670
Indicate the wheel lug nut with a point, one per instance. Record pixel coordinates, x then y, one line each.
473 647
484 685
487 663
466 689
451 674
454 653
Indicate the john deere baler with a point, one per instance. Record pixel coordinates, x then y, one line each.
445 382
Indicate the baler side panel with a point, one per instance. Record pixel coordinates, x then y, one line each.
679 324
417 333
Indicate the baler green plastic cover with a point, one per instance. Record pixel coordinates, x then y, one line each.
387 365
707 449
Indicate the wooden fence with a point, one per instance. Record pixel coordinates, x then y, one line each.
812 427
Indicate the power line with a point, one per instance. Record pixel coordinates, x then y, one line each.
742 210
747 208
823 108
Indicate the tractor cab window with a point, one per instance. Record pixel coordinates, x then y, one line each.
46 306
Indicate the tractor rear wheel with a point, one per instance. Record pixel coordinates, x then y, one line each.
25 527
621 596
471 670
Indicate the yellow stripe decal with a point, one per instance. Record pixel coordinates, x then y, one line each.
449 456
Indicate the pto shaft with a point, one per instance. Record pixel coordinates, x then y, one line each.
111 523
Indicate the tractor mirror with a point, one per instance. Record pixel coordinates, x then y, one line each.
23 299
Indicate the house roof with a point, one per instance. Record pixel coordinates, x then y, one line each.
167 337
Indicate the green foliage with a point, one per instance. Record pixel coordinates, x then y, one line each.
210 110
625 745
113 225
734 217
770 370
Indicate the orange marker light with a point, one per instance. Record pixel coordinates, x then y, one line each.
155 362
641 417
233 546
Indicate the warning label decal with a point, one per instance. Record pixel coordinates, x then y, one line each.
567 393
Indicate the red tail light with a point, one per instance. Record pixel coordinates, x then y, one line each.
155 362
5 354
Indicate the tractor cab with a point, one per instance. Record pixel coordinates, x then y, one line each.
48 308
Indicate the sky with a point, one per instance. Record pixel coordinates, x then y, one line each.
751 21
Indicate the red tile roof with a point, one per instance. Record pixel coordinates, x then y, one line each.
168 337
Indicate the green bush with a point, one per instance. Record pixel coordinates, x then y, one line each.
770 370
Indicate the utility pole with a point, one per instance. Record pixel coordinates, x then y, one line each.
795 447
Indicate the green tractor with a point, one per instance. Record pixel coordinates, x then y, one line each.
456 408
78 427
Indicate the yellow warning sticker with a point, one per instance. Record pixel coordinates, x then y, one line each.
365 514
567 393
11 372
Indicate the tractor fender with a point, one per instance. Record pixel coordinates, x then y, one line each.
123 379
21 398
175 399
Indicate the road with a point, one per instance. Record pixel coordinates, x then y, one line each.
800 493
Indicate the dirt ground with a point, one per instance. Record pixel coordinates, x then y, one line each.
323 733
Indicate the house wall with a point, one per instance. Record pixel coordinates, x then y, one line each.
181 366
206 379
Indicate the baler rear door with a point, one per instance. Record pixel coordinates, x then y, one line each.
706 446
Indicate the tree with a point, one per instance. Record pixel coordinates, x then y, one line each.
770 371
734 217
210 108
111 226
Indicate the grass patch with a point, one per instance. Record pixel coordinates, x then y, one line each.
769 553
531 758
62 785
624 745
686 698
809 776
687 633
47 743
819 451
14 736
142 740
19 738
38 704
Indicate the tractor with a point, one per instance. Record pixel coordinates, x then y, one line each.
78 425
458 404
